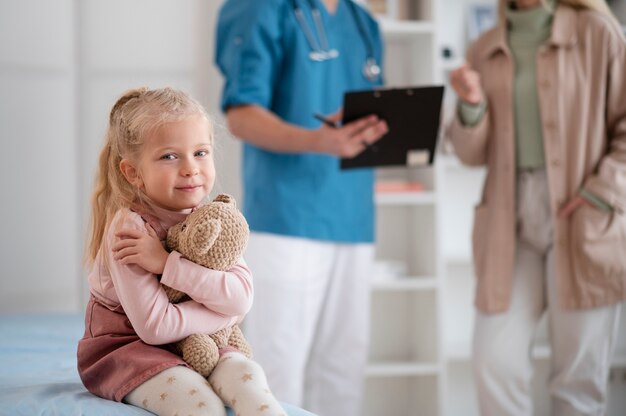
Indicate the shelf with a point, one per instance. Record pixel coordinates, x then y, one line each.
401 369
405 28
449 160
461 353
404 284
405 198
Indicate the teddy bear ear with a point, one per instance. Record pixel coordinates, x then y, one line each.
226 199
205 234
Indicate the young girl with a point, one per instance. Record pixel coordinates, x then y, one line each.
157 165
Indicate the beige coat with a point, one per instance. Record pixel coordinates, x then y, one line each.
581 76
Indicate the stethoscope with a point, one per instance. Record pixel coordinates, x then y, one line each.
321 51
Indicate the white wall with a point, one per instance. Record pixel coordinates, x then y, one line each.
62 65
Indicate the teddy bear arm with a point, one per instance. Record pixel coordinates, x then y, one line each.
173 295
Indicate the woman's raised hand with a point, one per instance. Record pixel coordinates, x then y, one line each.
466 83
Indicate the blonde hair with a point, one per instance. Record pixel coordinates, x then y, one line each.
136 114
597 5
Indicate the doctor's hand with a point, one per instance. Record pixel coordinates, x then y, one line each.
350 139
466 83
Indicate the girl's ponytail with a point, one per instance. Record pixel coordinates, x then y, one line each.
99 198
110 184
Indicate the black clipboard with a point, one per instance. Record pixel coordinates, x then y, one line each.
413 116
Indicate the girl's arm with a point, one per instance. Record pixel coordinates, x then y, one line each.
227 292
144 301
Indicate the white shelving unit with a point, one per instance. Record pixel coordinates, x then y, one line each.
422 319
405 371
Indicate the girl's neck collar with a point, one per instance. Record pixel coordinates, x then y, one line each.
166 218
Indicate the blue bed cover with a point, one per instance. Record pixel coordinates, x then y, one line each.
38 373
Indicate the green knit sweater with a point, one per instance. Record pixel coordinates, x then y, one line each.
528 30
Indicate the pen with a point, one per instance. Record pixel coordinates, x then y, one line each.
326 121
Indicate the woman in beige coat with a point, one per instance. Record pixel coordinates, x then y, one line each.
542 102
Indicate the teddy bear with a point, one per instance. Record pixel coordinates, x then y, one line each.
214 236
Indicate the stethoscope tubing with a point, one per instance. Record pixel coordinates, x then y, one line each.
321 50
369 47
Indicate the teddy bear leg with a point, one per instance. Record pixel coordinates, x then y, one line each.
200 352
238 341
221 337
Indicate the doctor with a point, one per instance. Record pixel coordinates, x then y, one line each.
312 224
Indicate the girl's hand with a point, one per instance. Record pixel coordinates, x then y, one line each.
144 250
572 205
466 83
351 139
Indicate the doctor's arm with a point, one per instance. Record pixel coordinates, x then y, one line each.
260 127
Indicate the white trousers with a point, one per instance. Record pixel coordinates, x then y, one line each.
582 341
309 323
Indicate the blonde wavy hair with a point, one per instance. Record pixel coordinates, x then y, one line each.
136 114
597 5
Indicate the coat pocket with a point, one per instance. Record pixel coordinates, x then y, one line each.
599 245
479 240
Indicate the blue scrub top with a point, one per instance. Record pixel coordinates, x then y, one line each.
264 55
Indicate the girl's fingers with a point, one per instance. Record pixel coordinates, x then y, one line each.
129 233
132 259
121 244
124 253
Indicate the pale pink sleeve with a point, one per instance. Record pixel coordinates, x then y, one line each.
153 317
227 292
